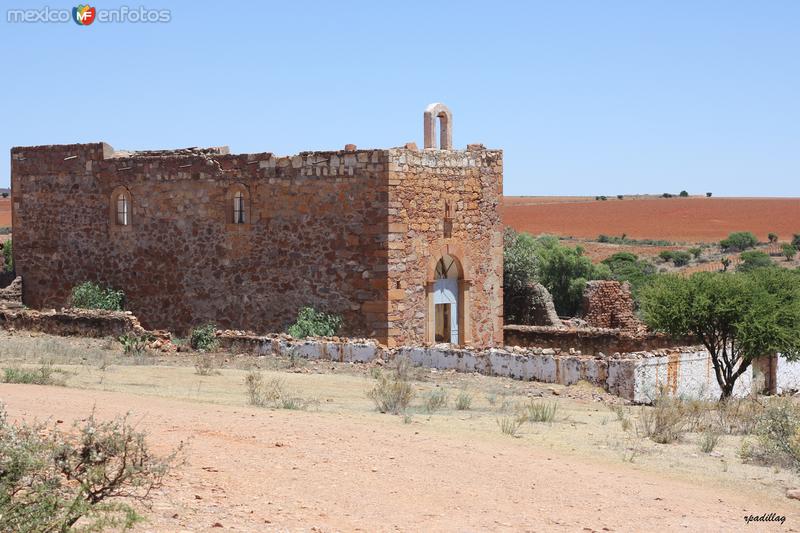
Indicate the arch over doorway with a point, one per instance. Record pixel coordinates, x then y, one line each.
440 111
448 300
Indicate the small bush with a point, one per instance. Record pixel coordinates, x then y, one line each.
393 393
540 411
696 252
665 422
681 258
772 237
739 241
52 480
204 338
666 255
777 436
435 400
273 393
795 240
312 323
726 262
683 194
620 197
135 345
5 195
510 425
667 195
43 375
709 440
90 295
788 251
206 365
752 260
708 194
463 401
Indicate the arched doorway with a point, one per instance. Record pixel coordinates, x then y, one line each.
447 307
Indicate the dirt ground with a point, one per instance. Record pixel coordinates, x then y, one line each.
692 219
342 466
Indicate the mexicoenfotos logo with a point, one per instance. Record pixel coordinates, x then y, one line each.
83 15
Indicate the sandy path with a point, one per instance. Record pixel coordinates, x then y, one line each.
260 470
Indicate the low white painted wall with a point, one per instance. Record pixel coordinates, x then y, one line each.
638 377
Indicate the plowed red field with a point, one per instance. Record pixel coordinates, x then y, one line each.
692 219
5 212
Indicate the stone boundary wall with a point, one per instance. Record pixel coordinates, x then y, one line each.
591 341
72 322
11 293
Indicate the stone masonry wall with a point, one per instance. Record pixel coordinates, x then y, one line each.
609 304
446 202
335 230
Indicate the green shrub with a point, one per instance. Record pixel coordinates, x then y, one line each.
772 237
463 401
752 260
789 251
393 393
739 241
708 194
80 480
43 375
777 435
681 258
620 197
204 338
89 295
435 400
511 424
696 252
796 240
683 194
312 323
666 255
134 344
540 411
8 256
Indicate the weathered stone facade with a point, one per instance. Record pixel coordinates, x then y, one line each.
245 240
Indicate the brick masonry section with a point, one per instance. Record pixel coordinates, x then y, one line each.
609 304
352 232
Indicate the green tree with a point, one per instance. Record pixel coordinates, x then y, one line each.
520 268
739 241
564 271
754 259
684 194
789 251
696 252
625 266
796 240
738 317
681 258
772 237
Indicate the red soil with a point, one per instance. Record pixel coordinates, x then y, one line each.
691 219
5 212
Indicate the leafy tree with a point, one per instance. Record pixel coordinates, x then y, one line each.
625 266
708 195
754 259
564 271
772 237
796 240
683 194
726 262
738 317
90 295
8 256
620 197
520 269
681 258
312 323
739 241
5 195
789 251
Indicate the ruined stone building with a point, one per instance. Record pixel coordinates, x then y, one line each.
405 244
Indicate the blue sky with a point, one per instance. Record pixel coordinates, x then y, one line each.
585 97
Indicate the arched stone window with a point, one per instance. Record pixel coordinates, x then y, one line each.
440 111
237 204
120 207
